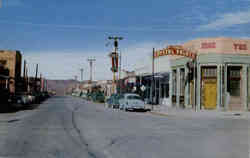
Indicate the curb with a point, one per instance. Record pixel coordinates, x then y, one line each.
159 114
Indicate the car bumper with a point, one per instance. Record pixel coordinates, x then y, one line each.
135 108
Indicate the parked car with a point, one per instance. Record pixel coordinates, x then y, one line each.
132 102
31 98
19 100
113 101
89 96
108 102
84 95
98 97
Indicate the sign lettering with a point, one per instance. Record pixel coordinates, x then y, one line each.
207 45
174 51
240 46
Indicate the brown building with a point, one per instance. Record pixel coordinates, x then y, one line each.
12 60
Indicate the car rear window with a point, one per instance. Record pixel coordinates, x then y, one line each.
134 97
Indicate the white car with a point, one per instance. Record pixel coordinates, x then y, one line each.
131 102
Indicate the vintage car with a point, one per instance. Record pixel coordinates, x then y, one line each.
113 101
131 102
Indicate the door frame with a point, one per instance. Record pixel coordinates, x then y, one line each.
243 90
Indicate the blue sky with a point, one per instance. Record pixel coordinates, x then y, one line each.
60 35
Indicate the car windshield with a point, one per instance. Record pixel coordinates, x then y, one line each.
130 97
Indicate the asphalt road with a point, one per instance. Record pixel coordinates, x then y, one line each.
67 127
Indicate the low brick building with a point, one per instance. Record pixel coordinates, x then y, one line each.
12 60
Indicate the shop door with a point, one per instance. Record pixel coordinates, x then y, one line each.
235 88
209 87
210 93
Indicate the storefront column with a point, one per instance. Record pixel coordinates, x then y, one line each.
198 88
171 87
225 90
178 88
218 86
160 100
244 78
186 93
248 88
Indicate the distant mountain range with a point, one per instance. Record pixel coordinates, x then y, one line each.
61 86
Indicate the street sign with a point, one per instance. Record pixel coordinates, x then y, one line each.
143 88
134 88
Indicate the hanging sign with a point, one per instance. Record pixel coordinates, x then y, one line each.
114 60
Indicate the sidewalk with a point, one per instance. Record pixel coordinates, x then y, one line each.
13 116
165 110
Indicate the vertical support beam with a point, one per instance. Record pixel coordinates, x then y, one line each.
36 78
151 90
153 78
178 89
164 89
160 96
171 87
186 93
248 75
245 87
218 86
198 87
81 70
120 68
225 90
156 89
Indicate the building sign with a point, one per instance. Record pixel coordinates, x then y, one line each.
207 45
240 46
175 50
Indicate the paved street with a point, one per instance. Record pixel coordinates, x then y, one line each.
67 127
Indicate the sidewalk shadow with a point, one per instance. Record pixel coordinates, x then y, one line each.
4 109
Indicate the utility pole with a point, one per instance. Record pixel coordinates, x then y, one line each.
115 39
81 74
91 60
24 75
28 80
120 67
24 69
75 81
41 83
36 77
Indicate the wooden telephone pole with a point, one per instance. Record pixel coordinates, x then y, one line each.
114 55
91 60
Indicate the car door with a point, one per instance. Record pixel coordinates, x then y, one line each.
122 101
